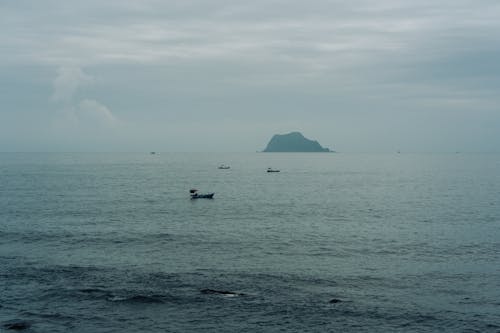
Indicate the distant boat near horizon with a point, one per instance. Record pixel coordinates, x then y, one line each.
224 167
195 195
272 170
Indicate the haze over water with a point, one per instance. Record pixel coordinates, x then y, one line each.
112 242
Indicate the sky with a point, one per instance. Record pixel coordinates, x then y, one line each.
225 75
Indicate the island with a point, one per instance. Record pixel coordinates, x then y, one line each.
293 142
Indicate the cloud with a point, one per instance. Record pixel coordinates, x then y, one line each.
67 82
93 112
84 112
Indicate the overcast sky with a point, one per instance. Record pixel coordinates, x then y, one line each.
225 75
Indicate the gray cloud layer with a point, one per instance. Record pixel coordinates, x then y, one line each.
357 75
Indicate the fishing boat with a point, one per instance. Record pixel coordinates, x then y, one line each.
195 195
224 167
272 170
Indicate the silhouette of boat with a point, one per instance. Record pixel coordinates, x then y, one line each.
195 195
272 170
223 166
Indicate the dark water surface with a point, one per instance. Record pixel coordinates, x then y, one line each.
112 243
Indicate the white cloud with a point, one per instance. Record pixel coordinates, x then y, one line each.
92 112
67 82
84 112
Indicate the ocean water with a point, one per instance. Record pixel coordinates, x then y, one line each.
332 243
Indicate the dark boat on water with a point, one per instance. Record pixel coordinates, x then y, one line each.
272 170
195 195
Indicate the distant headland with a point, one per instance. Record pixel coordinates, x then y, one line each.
293 142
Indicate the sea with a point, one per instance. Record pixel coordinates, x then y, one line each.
334 242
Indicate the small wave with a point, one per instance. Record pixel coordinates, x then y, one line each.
220 292
55 315
98 293
335 301
16 325
142 299
92 290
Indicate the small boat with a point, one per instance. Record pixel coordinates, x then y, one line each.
195 195
223 166
272 170
202 196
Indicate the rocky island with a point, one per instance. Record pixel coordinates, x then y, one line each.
293 142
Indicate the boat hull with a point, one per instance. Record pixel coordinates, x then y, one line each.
202 196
